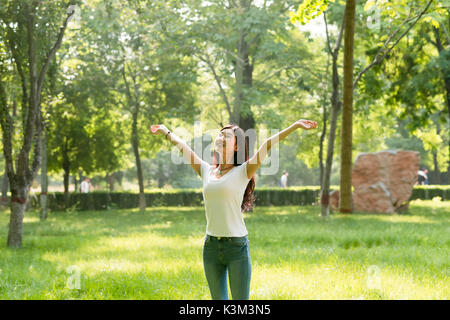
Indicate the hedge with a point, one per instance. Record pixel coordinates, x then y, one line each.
194 197
429 192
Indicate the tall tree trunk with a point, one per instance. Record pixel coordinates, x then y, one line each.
345 203
247 120
5 187
80 178
75 183
335 108
66 169
135 144
44 177
436 171
133 101
239 79
119 176
242 114
160 176
111 178
322 140
108 195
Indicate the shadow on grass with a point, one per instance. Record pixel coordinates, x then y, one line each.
38 270
267 225
278 236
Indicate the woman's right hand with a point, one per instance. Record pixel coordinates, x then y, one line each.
158 129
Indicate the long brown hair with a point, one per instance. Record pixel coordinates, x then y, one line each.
242 143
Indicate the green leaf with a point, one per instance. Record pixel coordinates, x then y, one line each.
369 4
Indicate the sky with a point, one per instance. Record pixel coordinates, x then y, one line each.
316 27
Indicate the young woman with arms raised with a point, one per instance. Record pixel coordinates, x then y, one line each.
228 186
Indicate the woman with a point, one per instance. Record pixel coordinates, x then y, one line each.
227 192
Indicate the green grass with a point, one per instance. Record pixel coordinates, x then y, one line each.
295 254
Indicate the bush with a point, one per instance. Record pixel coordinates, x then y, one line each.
429 192
193 197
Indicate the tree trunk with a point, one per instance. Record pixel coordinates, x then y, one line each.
242 114
160 176
108 195
111 182
5 186
133 101
44 177
80 178
18 205
135 144
119 176
239 75
66 168
75 183
345 203
335 107
322 140
436 171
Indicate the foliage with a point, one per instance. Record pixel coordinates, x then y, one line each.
308 10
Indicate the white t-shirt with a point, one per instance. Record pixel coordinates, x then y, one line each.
84 187
223 198
283 180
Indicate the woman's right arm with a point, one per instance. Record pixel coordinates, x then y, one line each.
194 160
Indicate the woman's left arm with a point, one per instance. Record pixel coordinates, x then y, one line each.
255 161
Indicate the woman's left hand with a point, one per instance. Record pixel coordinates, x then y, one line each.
306 124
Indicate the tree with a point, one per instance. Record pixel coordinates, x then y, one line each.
233 39
345 199
335 108
152 78
418 87
31 60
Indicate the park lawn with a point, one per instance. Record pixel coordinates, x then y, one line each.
125 254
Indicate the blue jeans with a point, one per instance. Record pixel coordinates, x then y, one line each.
227 255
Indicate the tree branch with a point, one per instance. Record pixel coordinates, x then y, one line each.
218 81
28 132
326 32
341 33
290 67
127 87
378 59
53 50
7 128
18 63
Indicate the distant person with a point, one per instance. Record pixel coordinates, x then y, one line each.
283 180
422 176
86 185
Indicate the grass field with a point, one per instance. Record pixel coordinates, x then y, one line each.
124 254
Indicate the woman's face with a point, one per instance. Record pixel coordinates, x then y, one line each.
225 144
